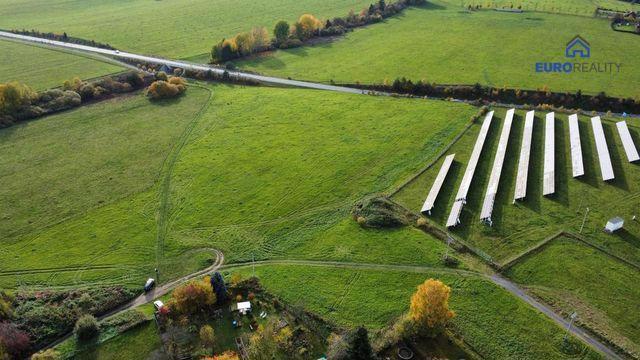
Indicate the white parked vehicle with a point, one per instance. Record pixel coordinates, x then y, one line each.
158 305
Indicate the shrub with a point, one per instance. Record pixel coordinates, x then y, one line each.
193 297
421 222
14 341
49 354
161 75
429 309
281 31
161 89
86 328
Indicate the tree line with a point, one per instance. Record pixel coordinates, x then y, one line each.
18 102
486 94
62 37
307 27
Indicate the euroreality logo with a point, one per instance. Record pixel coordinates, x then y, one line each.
577 49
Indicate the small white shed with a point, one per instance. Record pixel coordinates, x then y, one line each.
244 307
614 224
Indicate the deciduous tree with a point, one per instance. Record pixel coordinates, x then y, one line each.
207 337
359 347
281 31
192 297
429 308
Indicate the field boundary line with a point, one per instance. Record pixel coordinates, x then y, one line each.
506 265
584 240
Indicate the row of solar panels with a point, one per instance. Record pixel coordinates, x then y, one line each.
523 164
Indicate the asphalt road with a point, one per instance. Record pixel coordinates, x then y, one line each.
180 64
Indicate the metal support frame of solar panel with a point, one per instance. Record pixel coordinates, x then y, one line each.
576 147
496 170
549 181
461 196
437 185
603 151
627 141
525 154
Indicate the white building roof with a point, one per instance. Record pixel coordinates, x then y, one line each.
437 184
245 305
603 150
496 171
525 154
549 181
627 141
576 146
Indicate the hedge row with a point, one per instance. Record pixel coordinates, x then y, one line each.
61 37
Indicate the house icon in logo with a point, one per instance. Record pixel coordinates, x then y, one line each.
578 47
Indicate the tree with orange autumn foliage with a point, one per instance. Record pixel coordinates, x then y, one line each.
192 297
227 355
429 308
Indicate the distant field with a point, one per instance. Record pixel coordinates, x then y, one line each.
42 68
520 226
577 7
575 277
440 43
77 200
174 29
494 323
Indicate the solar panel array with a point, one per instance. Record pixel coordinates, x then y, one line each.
603 150
576 147
525 153
461 196
627 141
496 171
437 185
549 181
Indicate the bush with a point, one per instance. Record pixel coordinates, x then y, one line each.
193 297
86 328
48 354
381 212
161 89
14 341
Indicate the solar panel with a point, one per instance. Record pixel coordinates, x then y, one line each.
548 184
496 171
454 216
437 185
627 141
603 151
468 174
525 153
576 147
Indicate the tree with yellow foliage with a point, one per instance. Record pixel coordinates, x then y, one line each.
192 297
429 308
310 24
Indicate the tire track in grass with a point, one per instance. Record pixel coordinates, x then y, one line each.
162 222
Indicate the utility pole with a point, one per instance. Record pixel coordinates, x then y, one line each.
253 263
573 316
584 219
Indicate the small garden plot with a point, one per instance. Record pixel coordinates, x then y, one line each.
572 276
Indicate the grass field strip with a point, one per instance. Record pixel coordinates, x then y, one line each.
454 217
437 184
496 171
576 147
603 150
525 154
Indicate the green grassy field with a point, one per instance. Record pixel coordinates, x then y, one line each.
135 344
168 28
575 277
521 226
574 7
495 324
442 44
43 68
78 199
300 161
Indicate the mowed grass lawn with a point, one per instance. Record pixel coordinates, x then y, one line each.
495 324
78 187
169 28
44 68
517 227
441 43
575 277
269 170
574 7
